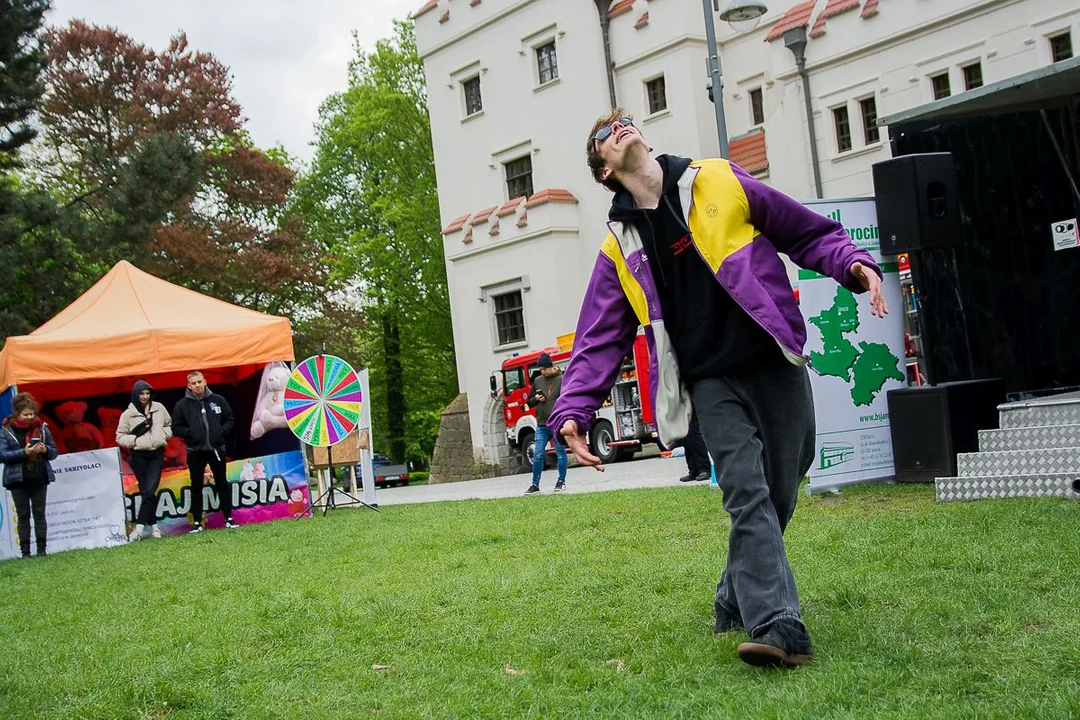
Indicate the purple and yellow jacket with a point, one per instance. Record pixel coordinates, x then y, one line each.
737 225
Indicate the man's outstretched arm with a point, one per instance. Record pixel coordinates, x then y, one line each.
605 334
812 241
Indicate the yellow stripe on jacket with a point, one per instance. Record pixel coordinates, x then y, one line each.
630 285
720 229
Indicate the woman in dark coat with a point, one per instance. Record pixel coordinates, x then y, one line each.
26 447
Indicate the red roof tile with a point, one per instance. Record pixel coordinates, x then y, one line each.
482 216
445 16
835 7
550 195
832 9
455 224
796 17
869 9
468 236
494 228
429 5
619 8
749 152
523 220
474 3
642 21
510 206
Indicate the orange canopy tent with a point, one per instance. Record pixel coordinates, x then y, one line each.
131 325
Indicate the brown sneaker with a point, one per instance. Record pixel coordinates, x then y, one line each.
785 644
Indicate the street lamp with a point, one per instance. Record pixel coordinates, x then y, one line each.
741 15
795 41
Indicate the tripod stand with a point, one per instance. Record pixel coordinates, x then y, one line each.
329 493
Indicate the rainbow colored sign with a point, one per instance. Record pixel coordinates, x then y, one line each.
323 400
262 488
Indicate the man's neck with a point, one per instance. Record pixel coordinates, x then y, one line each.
645 183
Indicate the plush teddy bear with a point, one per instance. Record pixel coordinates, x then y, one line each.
110 419
270 412
77 436
54 427
175 453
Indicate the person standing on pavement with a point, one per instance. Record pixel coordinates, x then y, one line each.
204 420
692 254
26 447
546 388
698 466
145 427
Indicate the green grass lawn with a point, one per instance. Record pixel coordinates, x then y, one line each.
600 604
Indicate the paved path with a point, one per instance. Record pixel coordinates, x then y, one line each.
639 473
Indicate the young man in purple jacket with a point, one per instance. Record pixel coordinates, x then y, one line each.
691 255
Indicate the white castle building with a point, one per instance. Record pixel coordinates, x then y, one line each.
514 86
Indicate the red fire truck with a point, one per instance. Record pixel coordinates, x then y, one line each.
624 423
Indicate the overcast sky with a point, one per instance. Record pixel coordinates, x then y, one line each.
285 56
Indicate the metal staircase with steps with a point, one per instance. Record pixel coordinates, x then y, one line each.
1036 453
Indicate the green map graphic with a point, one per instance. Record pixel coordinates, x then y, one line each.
866 367
840 355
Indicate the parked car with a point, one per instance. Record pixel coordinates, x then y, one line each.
386 473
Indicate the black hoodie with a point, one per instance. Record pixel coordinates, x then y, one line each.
204 423
710 333
141 385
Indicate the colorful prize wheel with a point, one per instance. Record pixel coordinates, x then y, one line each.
323 400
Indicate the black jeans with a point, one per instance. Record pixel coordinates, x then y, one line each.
759 426
197 463
146 464
697 456
25 499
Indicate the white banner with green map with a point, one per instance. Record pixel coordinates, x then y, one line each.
857 358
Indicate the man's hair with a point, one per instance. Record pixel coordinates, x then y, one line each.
193 373
592 155
23 401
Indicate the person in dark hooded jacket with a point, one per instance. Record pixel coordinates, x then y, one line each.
145 427
26 447
204 420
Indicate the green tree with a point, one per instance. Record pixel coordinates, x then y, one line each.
21 62
370 201
37 266
30 265
56 249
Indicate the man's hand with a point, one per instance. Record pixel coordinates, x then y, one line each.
576 441
870 281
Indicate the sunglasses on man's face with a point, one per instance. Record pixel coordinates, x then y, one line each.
605 132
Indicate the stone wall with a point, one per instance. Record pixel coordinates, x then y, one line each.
454 458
